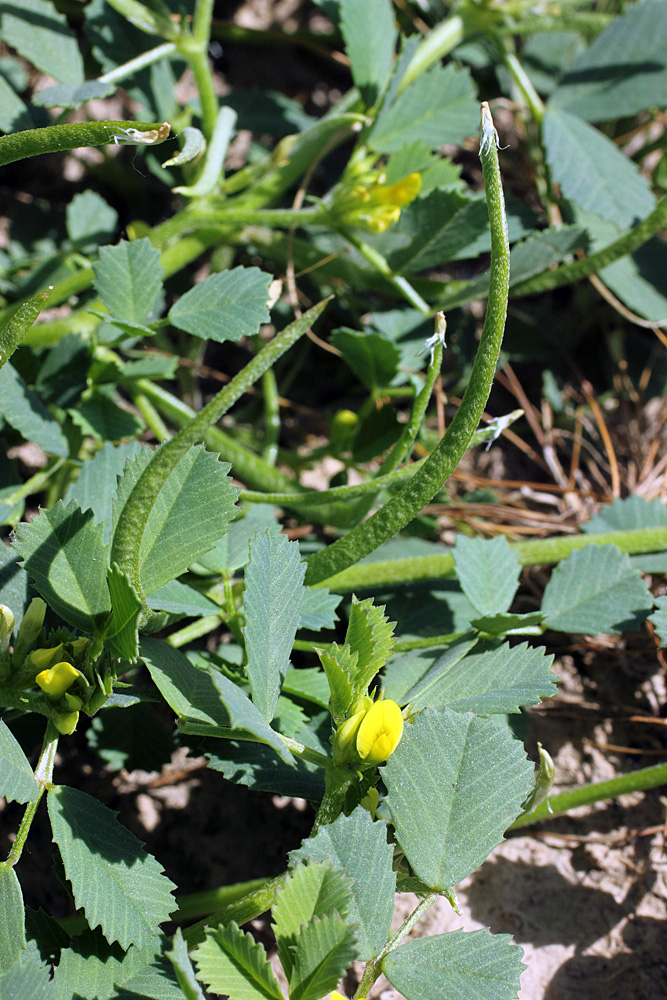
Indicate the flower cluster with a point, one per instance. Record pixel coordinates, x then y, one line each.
56 678
364 201
369 734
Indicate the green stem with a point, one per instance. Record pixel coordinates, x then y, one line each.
133 66
194 48
537 552
271 417
129 532
424 485
212 172
249 907
556 805
43 777
401 284
374 967
338 780
438 43
524 83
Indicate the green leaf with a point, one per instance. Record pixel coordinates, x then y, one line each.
232 551
439 107
638 279
596 590
487 682
68 95
128 278
309 684
488 571
623 71
180 599
272 605
312 889
92 968
179 958
225 306
508 624
627 514
372 358
358 846
371 52
23 409
592 172
659 619
456 782
208 700
233 963
122 636
318 610
325 950
121 888
96 484
17 782
63 552
29 977
255 766
459 965
14 114
370 634
90 219
12 921
339 664
197 492
15 330
41 35
101 417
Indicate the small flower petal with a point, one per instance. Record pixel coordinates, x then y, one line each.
380 732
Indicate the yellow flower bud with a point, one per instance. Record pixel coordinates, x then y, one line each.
380 732
344 740
66 724
57 679
78 645
40 658
73 703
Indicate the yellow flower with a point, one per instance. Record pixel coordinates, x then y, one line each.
371 204
41 658
380 732
57 679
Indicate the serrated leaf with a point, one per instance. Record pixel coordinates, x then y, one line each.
180 599
17 782
318 610
198 491
596 590
310 890
179 958
623 71
122 636
72 95
41 35
459 965
63 553
96 484
12 923
24 410
371 53
101 417
659 619
309 684
358 846
325 950
592 172
439 107
92 968
232 551
627 514
234 964
18 325
225 306
488 682
456 782
209 703
339 664
370 634
121 888
488 571
90 219
128 278
372 358
29 977
272 605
